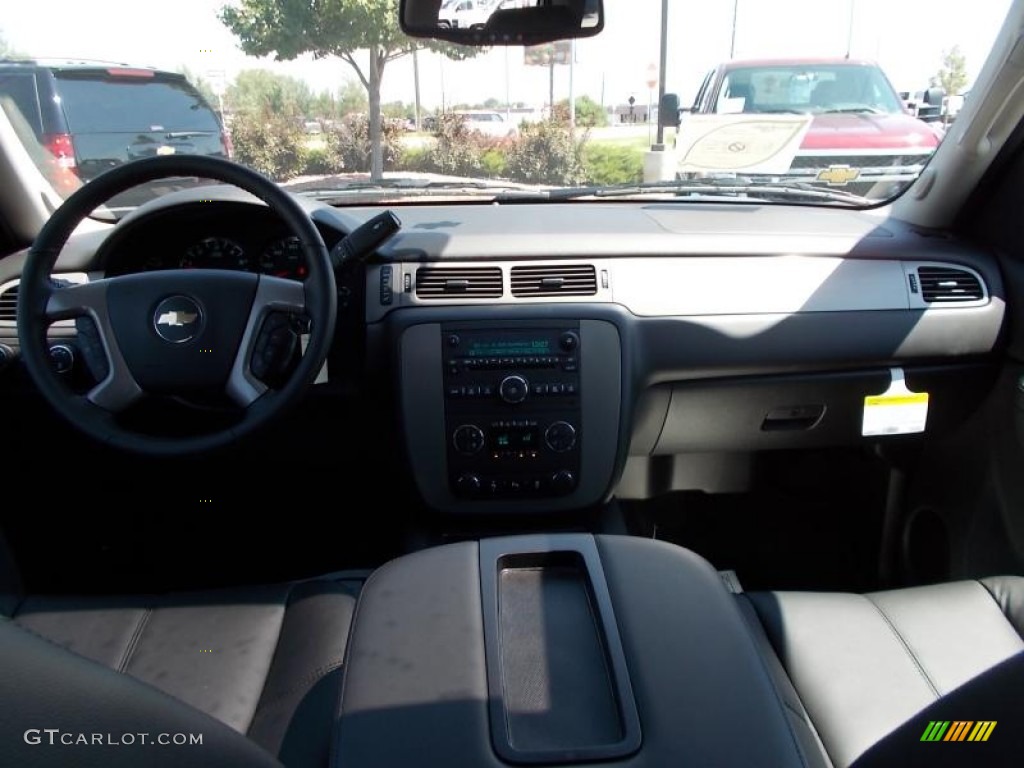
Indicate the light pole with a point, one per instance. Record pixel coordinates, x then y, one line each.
652 81
735 13
662 66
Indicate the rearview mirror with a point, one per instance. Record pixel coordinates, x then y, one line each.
501 22
668 111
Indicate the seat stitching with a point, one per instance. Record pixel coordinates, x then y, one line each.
133 641
312 677
906 646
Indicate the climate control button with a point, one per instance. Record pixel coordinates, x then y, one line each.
560 436
468 439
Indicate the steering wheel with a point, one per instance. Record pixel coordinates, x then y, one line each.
176 332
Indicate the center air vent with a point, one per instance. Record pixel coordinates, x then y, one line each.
454 282
9 303
948 285
554 280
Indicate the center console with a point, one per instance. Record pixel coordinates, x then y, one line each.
557 650
519 416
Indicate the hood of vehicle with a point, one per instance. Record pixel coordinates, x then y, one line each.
867 131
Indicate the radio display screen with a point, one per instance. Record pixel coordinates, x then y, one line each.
510 347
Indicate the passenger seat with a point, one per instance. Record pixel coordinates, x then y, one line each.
878 674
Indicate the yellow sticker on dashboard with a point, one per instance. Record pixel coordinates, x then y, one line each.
897 411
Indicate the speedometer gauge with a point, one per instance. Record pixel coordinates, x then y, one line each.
216 253
284 258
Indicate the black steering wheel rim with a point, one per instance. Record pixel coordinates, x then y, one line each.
36 289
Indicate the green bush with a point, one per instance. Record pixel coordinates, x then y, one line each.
546 153
348 143
608 164
457 151
493 163
271 145
319 161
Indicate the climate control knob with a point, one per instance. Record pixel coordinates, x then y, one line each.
468 484
563 481
468 439
513 389
560 436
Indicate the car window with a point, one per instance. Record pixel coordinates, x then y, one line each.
20 87
105 106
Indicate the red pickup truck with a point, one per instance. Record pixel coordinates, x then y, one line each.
861 137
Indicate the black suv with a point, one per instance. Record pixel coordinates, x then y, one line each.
93 116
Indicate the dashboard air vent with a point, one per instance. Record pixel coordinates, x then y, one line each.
554 280
9 303
941 285
454 282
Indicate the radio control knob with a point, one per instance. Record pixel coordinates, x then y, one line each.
563 481
560 436
513 389
569 341
468 439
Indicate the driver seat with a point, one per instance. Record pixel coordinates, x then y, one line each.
255 671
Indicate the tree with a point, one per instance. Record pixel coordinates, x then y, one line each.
952 76
589 114
339 28
260 91
352 98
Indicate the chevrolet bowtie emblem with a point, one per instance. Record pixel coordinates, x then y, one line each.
838 175
177 318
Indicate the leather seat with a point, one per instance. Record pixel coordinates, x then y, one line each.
872 671
256 670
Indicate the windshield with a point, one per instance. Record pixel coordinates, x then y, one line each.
808 88
777 101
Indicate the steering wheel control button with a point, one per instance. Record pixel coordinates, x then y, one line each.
178 319
513 389
468 439
62 358
560 437
275 348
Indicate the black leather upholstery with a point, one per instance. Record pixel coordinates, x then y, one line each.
864 665
264 661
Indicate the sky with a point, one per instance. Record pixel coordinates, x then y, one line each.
907 37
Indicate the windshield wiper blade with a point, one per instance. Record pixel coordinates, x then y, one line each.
420 188
795 191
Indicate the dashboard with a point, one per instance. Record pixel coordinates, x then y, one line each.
543 357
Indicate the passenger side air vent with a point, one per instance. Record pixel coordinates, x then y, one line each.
940 285
455 282
9 303
554 280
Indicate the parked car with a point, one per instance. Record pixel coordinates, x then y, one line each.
487 122
861 137
92 117
465 14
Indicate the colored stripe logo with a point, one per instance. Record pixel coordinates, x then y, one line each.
958 730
